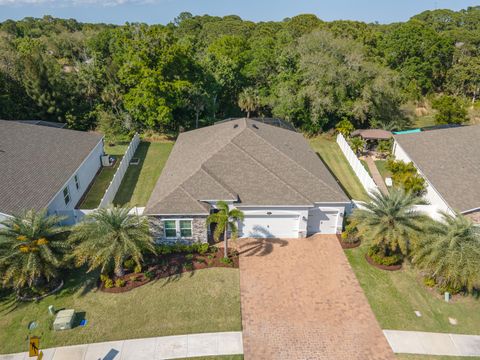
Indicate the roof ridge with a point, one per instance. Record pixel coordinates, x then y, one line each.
296 162
226 187
190 195
270 171
199 168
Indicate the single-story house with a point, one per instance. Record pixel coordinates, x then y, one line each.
268 172
449 161
45 167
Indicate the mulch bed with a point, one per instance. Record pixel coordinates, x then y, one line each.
383 267
164 266
351 245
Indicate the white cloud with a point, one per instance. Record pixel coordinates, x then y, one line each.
72 2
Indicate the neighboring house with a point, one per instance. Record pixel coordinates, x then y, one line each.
45 167
268 172
449 161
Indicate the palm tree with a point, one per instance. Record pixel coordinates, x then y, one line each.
357 144
108 237
225 219
450 252
31 248
389 221
248 100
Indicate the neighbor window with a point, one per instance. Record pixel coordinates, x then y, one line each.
77 182
66 195
177 228
170 227
186 228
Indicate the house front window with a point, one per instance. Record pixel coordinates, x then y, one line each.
66 195
170 227
186 228
177 228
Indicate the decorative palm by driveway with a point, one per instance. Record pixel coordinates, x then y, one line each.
450 252
389 221
225 219
108 237
31 249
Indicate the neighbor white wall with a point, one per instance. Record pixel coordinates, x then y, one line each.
86 173
435 200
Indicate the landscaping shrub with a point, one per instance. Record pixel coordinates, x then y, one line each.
350 235
405 176
129 264
188 266
453 290
196 248
390 260
189 257
119 283
429 282
149 275
137 269
226 261
103 277
108 283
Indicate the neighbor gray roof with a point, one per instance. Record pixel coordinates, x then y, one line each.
36 161
242 160
450 160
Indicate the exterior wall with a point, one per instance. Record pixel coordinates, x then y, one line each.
86 173
302 213
199 228
434 199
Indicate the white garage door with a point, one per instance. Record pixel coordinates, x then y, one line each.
322 221
273 226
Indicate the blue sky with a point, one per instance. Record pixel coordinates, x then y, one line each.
163 11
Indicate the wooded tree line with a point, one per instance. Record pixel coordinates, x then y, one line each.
199 69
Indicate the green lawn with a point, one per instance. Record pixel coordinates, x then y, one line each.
101 182
394 296
381 166
424 121
139 180
332 156
202 301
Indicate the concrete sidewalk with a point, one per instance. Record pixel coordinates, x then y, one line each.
159 348
426 343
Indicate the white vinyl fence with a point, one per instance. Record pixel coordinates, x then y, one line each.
362 174
120 173
76 215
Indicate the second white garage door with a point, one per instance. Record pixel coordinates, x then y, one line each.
273 226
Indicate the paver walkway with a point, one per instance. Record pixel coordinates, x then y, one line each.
377 178
167 347
427 343
300 300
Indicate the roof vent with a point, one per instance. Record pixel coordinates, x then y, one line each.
235 126
255 126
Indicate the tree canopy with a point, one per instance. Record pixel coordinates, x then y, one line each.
194 70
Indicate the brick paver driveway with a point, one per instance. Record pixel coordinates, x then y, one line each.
301 300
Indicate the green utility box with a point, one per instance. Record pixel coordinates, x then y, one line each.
64 320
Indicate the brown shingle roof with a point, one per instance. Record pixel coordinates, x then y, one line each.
450 160
36 161
242 160
373 134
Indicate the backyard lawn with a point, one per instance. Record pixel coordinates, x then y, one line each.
381 166
201 301
100 185
332 156
394 296
139 180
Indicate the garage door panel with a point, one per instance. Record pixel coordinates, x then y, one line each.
322 221
270 226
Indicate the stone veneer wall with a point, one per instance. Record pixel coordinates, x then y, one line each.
199 228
